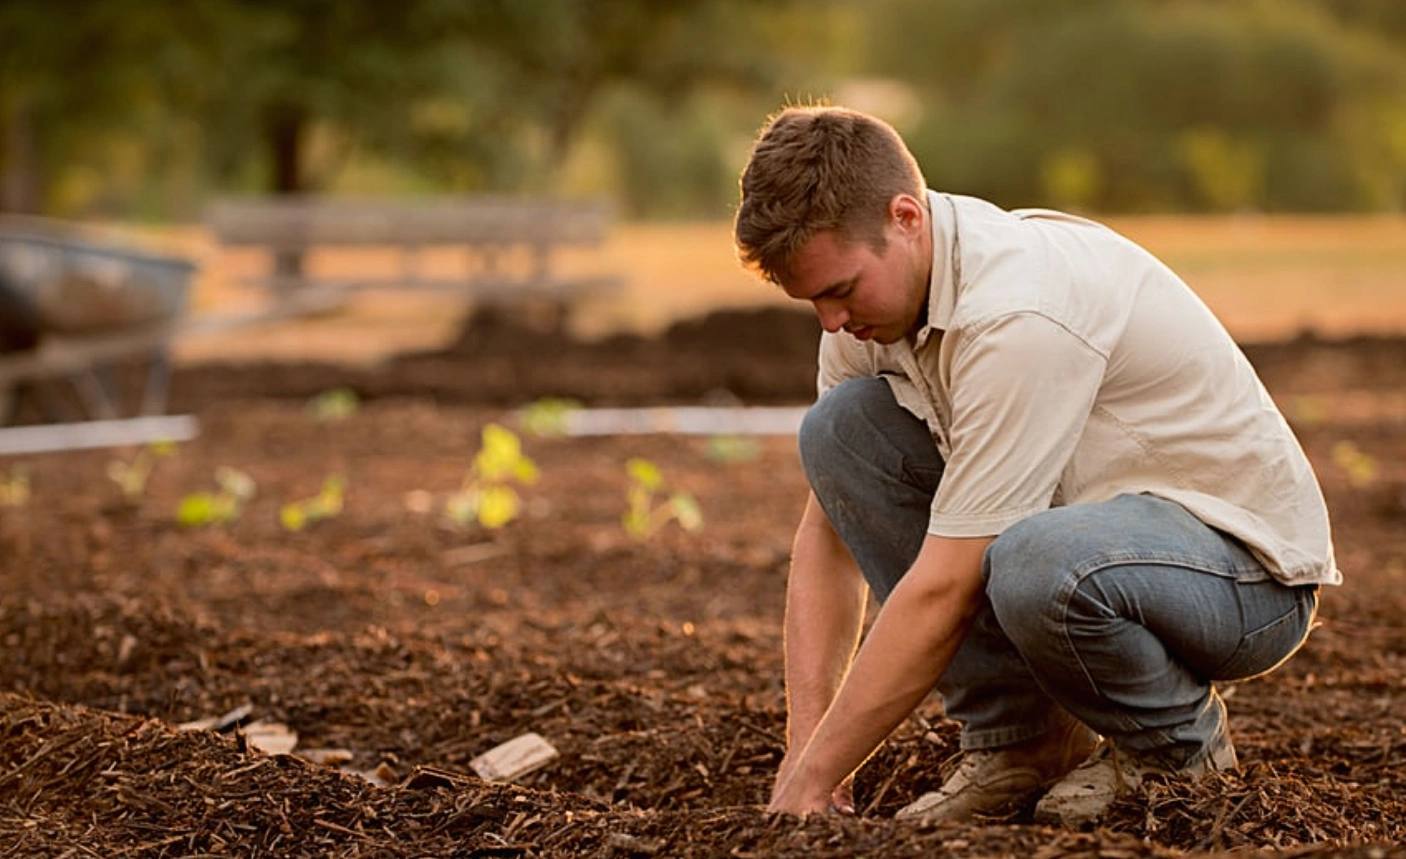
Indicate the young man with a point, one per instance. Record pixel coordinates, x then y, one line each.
1061 478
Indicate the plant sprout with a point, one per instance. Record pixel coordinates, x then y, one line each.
334 405
643 517
223 505
1361 469
131 477
297 515
14 488
729 449
486 494
548 416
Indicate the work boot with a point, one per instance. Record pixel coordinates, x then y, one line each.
1086 793
999 781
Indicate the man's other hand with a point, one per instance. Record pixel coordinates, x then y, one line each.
788 796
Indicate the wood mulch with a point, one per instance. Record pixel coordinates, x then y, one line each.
653 667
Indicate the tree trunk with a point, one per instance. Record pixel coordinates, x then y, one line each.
19 160
284 126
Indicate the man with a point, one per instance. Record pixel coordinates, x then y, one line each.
1052 466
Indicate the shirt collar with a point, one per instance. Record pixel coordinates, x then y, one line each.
942 285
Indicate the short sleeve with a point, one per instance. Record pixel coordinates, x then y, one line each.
838 362
1022 388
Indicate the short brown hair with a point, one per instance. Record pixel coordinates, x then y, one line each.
814 169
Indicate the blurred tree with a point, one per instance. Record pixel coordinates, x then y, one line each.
1187 104
62 86
1108 104
556 58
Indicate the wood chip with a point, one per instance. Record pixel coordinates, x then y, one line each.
271 738
429 778
382 776
219 723
330 757
514 759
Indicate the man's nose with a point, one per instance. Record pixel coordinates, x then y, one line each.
832 316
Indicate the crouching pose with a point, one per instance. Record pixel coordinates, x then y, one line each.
1075 501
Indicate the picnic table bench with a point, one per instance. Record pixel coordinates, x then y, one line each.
509 244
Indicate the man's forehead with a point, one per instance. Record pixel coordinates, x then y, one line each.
825 262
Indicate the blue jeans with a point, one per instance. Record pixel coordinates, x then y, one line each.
1124 613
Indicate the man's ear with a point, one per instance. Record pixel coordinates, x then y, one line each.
906 212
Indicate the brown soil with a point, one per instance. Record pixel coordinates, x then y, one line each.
654 667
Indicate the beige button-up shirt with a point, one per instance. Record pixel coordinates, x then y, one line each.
1062 364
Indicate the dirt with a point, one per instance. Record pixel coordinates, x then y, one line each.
652 666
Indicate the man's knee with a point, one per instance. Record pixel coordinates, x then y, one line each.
1030 564
835 426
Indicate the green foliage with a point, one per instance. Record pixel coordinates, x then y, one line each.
644 514
134 108
486 495
1138 104
235 489
14 487
131 476
334 405
327 503
548 416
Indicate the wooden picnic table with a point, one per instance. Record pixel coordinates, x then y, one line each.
509 244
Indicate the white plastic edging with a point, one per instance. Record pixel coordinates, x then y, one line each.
86 435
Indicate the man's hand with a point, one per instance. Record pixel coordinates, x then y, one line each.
841 798
796 793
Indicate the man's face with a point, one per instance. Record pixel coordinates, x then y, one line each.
873 295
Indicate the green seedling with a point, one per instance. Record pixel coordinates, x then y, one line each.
297 515
131 476
1360 468
334 405
729 449
223 505
644 516
548 416
14 488
486 495
1308 410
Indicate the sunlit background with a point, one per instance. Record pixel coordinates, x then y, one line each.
1273 132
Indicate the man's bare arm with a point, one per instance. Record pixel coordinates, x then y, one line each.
825 596
912 641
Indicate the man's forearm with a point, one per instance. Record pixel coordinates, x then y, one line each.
909 647
825 597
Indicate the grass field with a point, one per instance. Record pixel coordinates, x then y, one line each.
1267 277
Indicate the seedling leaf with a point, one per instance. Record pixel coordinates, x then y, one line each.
462 507
732 448
548 416
293 517
497 506
235 482
645 473
686 511
196 509
334 405
14 488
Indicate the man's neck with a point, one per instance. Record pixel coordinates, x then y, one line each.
925 250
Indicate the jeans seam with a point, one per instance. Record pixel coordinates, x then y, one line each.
1062 600
1291 615
1006 735
1173 559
